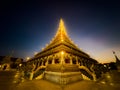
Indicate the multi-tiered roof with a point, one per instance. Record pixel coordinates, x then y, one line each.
62 59
61 42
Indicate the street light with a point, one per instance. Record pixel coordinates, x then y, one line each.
20 64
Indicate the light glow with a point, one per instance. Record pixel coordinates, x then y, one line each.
62 40
20 64
62 52
27 58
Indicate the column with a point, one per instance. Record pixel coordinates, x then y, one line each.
76 60
71 60
47 62
38 63
53 61
62 58
42 63
81 62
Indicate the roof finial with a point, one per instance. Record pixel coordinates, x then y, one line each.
61 22
62 28
61 25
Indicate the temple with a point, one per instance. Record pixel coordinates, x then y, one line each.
61 61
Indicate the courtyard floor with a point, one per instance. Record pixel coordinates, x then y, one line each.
8 79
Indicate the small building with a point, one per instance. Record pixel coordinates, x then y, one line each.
8 63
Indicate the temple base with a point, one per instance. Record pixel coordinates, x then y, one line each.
63 78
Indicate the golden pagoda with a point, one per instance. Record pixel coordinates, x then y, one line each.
63 61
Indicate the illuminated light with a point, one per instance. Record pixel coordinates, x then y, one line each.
103 82
62 29
16 76
20 64
105 66
35 53
109 67
28 58
62 52
111 84
14 81
61 22
108 76
62 40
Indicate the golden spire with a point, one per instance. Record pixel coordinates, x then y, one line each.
61 30
61 24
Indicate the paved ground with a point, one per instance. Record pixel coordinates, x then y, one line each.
38 85
9 81
81 85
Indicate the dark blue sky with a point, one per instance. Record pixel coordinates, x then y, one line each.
27 26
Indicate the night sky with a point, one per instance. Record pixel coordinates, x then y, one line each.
27 26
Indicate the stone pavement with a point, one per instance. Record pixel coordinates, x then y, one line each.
81 85
9 80
38 85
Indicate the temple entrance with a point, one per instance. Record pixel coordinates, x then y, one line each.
56 61
67 60
5 66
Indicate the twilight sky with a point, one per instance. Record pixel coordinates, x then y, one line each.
26 27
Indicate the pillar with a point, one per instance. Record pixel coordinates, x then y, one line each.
81 62
42 63
47 62
71 60
53 61
62 61
76 60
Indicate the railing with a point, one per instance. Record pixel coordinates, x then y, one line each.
87 72
38 71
